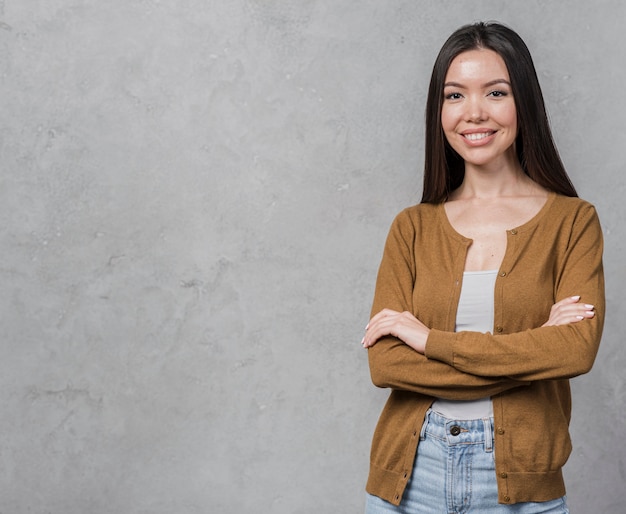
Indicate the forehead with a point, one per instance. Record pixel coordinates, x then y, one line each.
477 65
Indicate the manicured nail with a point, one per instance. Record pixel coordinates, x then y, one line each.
576 297
590 313
587 306
580 317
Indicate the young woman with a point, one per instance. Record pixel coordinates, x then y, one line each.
489 297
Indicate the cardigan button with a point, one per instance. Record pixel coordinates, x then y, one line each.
507 499
499 328
503 273
513 232
503 475
500 431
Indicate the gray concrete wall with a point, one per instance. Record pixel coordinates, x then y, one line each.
193 201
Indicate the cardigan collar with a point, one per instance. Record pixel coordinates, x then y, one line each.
528 225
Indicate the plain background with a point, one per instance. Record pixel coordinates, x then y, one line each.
194 198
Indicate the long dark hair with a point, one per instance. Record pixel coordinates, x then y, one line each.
444 169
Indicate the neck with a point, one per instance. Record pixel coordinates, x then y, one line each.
496 180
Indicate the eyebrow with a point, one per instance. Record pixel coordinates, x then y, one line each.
488 84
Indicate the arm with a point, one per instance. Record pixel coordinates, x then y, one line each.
394 364
547 352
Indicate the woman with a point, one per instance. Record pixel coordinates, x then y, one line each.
489 297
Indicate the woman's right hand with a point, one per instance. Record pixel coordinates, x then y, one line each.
568 311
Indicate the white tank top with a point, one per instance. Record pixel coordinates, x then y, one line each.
474 313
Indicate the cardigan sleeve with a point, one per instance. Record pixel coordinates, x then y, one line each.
395 365
544 353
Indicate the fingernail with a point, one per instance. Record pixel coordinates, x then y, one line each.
576 297
580 317
363 342
590 313
587 306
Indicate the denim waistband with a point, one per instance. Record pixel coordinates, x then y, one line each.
458 431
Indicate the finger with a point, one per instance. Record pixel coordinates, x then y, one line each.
381 315
578 317
391 323
567 301
566 318
369 339
585 310
378 327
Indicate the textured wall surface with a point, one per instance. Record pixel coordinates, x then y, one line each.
194 197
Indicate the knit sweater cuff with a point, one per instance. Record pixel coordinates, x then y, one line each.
439 346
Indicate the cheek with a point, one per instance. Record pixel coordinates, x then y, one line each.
447 119
508 116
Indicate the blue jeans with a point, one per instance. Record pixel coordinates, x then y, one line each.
455 474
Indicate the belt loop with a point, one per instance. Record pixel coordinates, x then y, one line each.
488 424
426 419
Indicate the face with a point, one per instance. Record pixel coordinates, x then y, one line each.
478 115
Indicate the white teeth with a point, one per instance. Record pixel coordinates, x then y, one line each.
475 137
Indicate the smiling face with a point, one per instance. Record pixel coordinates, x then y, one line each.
478 114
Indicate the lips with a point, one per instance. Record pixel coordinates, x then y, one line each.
480 137
477 136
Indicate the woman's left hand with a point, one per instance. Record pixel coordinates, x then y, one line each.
402 325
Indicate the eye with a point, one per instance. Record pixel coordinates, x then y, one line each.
453 96
498 93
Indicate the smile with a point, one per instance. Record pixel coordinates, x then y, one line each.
477 135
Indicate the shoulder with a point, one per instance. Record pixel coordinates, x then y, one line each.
572 207
571 203
414 223
571 219
418 214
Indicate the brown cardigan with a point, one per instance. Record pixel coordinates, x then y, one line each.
525 369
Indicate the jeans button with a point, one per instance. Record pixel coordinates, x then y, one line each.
455 430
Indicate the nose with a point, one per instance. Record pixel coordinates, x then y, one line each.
475 110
